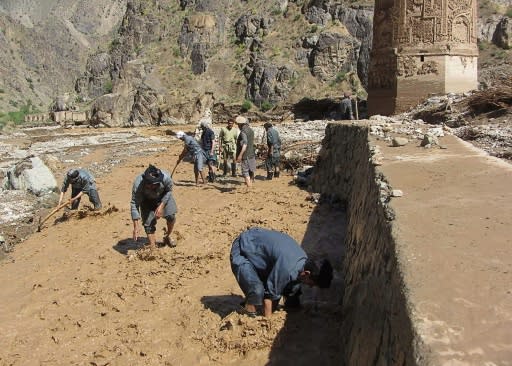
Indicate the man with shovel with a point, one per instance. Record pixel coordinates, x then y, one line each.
81 181
192 147
152 199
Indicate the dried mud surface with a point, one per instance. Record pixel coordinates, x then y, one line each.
81 291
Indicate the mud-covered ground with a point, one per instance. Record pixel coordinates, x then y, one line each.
82 292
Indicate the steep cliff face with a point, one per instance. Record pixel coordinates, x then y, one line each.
45 44
268 52
151 61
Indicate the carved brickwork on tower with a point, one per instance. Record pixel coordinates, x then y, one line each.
421 47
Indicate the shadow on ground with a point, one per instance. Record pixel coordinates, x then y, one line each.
311 334
222 304
124 245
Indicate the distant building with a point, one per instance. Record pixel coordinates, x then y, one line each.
63 118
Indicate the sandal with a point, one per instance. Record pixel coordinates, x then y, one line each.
169 242
243 311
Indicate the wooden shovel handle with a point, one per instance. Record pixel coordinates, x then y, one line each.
55 210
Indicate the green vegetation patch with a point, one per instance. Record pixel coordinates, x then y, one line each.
18 117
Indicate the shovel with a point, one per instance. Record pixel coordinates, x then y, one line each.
55 210
177 163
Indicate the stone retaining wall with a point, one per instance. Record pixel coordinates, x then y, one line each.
376 329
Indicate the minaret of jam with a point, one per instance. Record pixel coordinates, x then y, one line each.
421 48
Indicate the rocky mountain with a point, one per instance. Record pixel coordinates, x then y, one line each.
45 45
134 62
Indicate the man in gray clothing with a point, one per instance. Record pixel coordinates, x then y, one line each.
346 107
245 152
274 151
268 264
193 148
152 199
81 181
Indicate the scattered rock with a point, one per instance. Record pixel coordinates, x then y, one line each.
399 141
397 193
429 141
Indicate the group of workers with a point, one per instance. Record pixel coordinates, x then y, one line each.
236 145
267 264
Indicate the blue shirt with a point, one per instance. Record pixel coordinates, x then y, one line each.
207 138
142 193
277 258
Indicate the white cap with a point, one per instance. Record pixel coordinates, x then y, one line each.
241 120
180 134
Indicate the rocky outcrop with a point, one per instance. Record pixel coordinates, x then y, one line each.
487 27
496 29
503 35
135 100
266 82
332 54
96 79
196 37
250 28
359 23
317 12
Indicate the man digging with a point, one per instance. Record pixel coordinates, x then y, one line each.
268 265
152 199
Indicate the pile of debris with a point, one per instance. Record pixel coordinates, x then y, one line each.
495 100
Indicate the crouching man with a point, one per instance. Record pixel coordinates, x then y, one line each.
152 199
268 264
81 181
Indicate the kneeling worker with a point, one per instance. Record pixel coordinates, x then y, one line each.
151 199
268 264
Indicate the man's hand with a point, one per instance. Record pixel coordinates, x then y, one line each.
159 210
136 230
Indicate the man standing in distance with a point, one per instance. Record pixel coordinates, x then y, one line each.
274 151
208 145
346 107
246 154
227 139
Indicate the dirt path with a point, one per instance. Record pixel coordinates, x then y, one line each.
77 292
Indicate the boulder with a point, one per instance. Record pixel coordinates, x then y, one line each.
267 82
399 141
32 175
429 140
